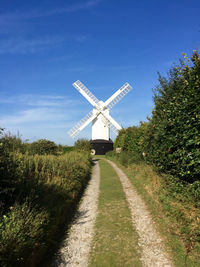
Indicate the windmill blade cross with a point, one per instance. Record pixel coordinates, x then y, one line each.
82 124
100 112
110 125
117 96
86 93
114 126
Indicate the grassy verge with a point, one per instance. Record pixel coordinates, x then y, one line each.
174 210
115 241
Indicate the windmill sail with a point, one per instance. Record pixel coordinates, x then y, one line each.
82 124
117 96
99 116
86 93
110 125
114 126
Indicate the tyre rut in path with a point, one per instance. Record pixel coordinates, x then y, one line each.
153 250
75 248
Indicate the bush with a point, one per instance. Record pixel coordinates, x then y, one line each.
82 145
131 141
12 143
43 147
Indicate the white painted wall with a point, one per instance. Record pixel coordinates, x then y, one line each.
99 128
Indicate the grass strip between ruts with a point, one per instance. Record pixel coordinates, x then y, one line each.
115 241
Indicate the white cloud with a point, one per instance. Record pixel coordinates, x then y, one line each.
38 100
41 116
31 115
12 17
16 45
38 116
52 123
24 46
11 22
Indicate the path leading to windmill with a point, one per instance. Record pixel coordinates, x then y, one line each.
124 233
153 249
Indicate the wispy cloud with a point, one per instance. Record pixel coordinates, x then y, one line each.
18 20
30 116
24 46
27 45
98 68
38 116
70 9
38 100
19 15
34 109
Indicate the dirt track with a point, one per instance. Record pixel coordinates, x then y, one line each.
76 247
153 250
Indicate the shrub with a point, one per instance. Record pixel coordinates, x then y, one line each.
82 145
12 143
43 147
131 141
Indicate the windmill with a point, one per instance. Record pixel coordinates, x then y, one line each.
100 117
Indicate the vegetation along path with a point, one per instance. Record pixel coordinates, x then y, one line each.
124 233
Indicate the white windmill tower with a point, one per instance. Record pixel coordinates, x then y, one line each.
101 120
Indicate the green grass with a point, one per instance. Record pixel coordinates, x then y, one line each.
174 216
115 241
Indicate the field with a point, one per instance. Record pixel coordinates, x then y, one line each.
38 195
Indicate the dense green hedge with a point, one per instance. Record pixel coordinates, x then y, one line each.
131 142
171 138
131 139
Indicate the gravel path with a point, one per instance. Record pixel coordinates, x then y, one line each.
153 250
75 248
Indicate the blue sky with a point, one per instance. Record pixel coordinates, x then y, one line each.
47 45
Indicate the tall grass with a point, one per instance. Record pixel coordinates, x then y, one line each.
44 192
